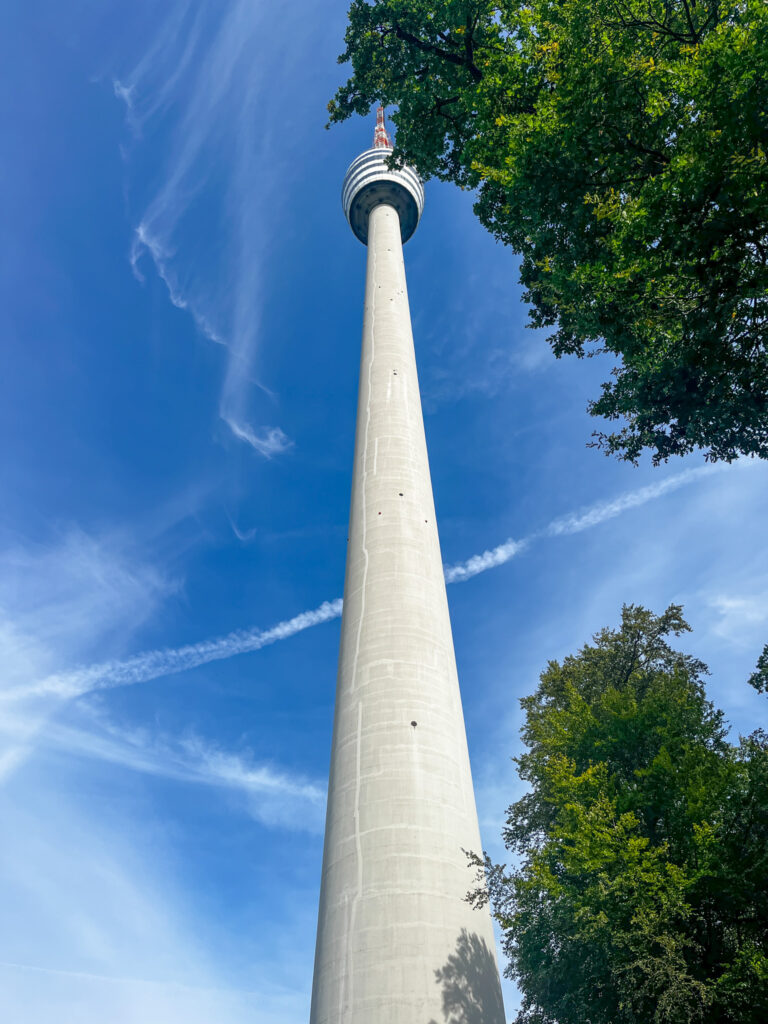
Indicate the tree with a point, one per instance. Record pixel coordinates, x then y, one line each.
641 893
620 147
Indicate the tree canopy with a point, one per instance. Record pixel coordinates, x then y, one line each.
641 891
620 147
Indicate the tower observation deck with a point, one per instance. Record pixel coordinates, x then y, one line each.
397 943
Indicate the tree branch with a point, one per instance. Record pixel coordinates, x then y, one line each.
466 61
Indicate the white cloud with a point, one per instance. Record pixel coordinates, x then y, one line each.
162 260
12 757
575 522
153 664
482 563
58 604
125 93
209 65
167 661
244 536
271 441
59 601
94 927
271 796
602 511
93 923
741 619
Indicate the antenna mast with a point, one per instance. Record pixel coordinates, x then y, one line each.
381 139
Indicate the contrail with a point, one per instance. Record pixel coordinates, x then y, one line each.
575 522
596 514
482 563
170 660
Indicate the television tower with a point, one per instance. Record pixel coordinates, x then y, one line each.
397 943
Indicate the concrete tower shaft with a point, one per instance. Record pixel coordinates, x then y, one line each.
395 935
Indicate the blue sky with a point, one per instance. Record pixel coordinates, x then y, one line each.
181 312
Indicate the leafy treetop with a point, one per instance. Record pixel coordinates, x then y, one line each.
620 147
640 893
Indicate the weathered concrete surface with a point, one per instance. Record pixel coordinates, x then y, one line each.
397 943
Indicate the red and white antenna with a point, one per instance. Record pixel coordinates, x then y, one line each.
381 139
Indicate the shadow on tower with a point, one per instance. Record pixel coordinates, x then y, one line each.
470 982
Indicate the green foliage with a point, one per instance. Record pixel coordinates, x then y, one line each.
759 678
641 892
620 147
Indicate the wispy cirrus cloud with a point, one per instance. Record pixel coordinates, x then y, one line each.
741 618
156 664
58 602
272 796
96 926
481 352
207 225
163 261
61 599
66 599
270 441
